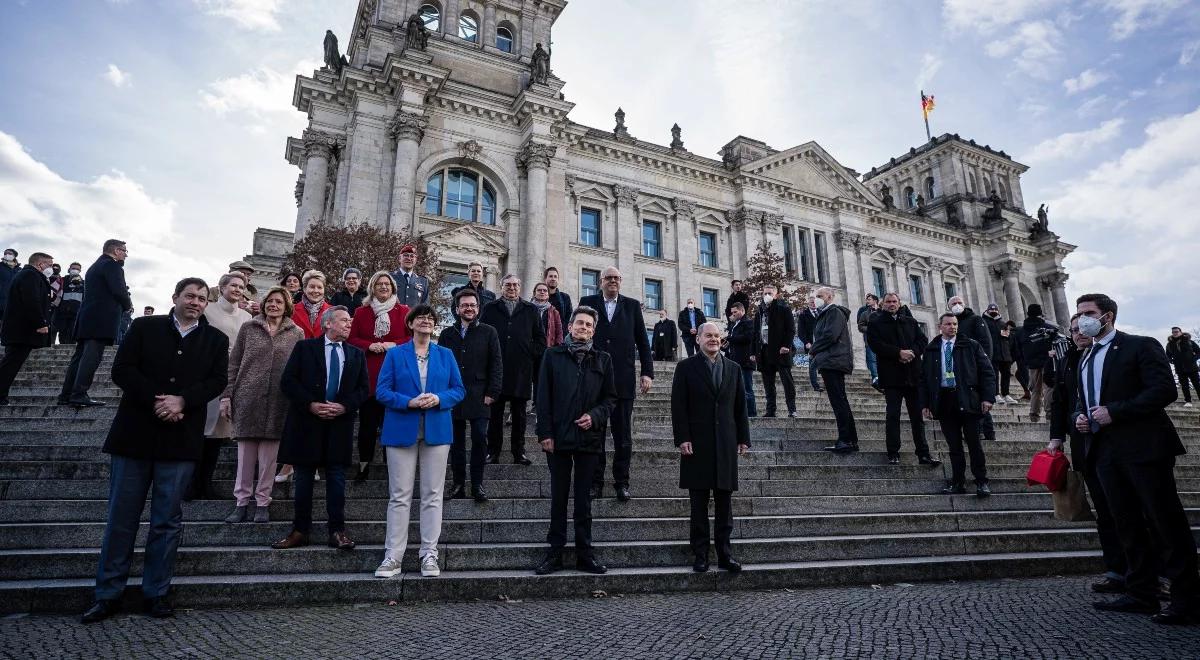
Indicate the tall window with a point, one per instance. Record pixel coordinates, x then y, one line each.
802 241
822 262
910 196
709 297
589 227
468 28
504 39
789 258
951 289
916 292
589 282
929 189
1003 190
708 249
971 187
652 294
461 194
652 239
431 17
879 282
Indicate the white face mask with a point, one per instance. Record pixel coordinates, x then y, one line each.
1089 326
691 306
9 257
73 271
957 309
48 271
767 299
821 303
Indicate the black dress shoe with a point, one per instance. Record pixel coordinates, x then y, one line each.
1127 604
159 608
101 610
457 492
729 564
493 459
551 563
700 564
954 489
480 496
769 415
62 402
982 490
588 564
893 460
85 402
1109 586
597 492
928 460
842 448
522 460
360 477
1177 615
622 493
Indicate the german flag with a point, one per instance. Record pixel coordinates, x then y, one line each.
927 105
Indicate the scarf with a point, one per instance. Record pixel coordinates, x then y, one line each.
313 308
383 321
541 306
511 305
578 349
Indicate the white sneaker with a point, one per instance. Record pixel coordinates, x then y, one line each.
429 566
1011 400
316 476
1187 404
389 568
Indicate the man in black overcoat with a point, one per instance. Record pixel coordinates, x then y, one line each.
522 341
476 348
105 300
738 296
709 423
26 319
806 327
690 320
666 338
325 381
898 344
741 344
621 332
168 368
775 330
561 300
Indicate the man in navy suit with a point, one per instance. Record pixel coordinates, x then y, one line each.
620 332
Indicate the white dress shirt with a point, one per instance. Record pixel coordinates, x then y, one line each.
610 308
1095 357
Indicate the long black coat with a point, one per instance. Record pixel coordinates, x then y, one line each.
972 326
1036 337
741 342
105 298
1183 353
566 391
685 323
522 342
714 421
831 347
154 359
806 325
665 340
887 335
28 309
480 365
974 377
1064 402
307 439
620 338
781 331
561 300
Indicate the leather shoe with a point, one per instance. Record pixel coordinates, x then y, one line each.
588 564
1176 615
522 460
159 607
1127 604
101 610
293 540
480 496
700 564
729 564
622 493
493 459
85 402
360 477
457 492
341 541
893 460
1109 586
551 563
842 448
62 402
954 489
928 460
982 490
597 492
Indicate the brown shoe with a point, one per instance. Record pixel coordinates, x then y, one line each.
341 541
294 540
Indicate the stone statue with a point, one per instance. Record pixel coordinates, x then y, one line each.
885 193
619 131
539 65
920 200
416 35
676 140
333 58
994 212
952 217
1043 214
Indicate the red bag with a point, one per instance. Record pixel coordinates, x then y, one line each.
1048 469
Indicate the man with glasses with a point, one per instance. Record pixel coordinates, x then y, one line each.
522 341
105 300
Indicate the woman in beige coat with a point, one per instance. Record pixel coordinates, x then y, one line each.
254 402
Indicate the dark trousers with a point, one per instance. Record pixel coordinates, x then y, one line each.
689 344
621 423
10 365
789 388
479 450
722 521
65 324
1143 497
1023 377
835 387
202 478
495 432
812 377
561 484
82 369
958 428
335 498
370 419
1194 380
907 395
1110 542
987 429
748 386
129 481
1004 370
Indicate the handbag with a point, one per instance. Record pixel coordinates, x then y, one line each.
1071 503
1048 469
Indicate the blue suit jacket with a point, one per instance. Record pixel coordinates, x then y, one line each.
400 381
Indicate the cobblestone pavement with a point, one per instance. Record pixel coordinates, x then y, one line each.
1019 618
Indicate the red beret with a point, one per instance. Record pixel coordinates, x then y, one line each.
408 247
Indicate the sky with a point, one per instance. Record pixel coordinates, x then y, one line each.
163 122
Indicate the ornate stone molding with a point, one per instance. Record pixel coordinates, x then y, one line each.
299 189
684 210
570 179
743 217
407 126
1054 280
536 155
319 143
937 264
902 257
469 150
866 243
847 240
1007 268
625 195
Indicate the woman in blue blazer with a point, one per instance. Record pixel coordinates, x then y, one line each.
418 386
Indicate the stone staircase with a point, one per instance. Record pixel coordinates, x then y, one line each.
803 517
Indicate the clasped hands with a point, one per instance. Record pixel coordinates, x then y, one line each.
326 410
685 448
424 401
907 356
168 407
584 422
1099 414
381 346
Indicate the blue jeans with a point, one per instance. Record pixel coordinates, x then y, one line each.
872 363
479 450
748 384
335 498
129 481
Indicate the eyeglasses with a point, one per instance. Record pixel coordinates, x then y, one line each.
616 278
467 306
512 285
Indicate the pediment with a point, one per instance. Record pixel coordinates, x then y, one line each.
811 169
468 237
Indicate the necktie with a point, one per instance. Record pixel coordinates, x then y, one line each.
1089 372
716 374
335 373
948 363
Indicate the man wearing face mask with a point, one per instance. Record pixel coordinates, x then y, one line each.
26 318
8 270
972 326
690 320
68 306
56 284
775 328
1126 384
806 322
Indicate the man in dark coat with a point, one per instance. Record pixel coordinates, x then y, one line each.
710 427
575 401
68 306
561 300
833 358
806 323
973 326
1126 385
474 283
775 332
476 348
958 386
620 332
325 381
26 319
898 344
8 270
1036 337
522 342
740 349
666 339
690 320
105 299
738 296
1183 353
411 289
168 369
863 319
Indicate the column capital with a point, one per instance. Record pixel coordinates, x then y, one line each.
533 154
1055 280
847 240
866 243
626 196
1007 268
684 210
902 257
319 143
569 179
407 126
936 264
772 221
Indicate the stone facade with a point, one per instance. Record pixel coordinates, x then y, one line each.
679 225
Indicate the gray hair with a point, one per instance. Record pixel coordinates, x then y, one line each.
327 317
824 289
510 276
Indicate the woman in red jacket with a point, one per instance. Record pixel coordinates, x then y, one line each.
379 324
312 304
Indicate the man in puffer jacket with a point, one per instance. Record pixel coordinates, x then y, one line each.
833 358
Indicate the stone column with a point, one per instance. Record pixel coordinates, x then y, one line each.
1009 271
864 247
407 129
318 146
487 34
687 251
1057 283
342 181
629 235
451 19
902 258
739 247
848 256
535 158
937 283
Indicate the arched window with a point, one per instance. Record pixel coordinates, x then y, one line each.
987 186
504 39
431 16
468 28
971 183
1003 191
461 194
929 189
910 197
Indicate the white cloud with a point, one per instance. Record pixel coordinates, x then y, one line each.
930 65
983 16
117 77
1085 81
1031 47
1133 15
1189 53
1074 144
41 210
247 14
1091 105
261 95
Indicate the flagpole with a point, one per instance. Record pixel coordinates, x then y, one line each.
925 114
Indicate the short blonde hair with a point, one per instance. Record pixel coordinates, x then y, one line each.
233 275
311 275
371 285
